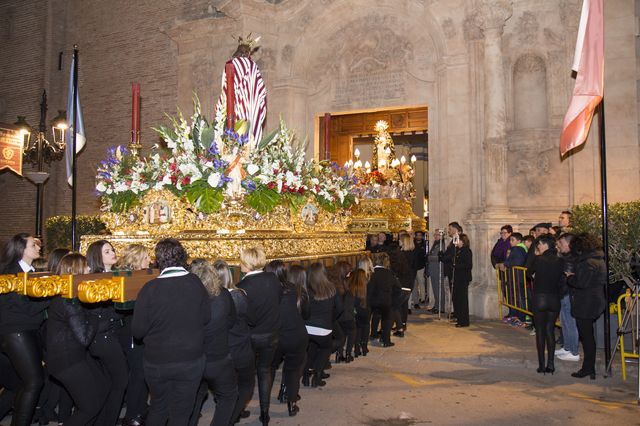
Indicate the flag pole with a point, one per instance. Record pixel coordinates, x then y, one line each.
605 234
74 235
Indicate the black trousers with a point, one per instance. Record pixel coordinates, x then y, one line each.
86 384
107 350
9 382
348 337
173 388
586 333
264 347
246 376
220 377
546 308
401 310
362 330
23 351
293 351
137 393
318 352
461 301
378 314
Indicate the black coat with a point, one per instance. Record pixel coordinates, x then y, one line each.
239 335
322 313
18 312
447 260
462 265
216 332
264 291
587 286
549 272
381 287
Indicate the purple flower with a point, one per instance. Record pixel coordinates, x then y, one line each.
249 185
213 148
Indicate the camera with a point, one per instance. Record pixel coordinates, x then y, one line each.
456 239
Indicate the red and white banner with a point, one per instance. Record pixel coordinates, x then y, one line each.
589 65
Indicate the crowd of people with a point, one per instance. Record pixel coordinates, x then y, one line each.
194 329
565 276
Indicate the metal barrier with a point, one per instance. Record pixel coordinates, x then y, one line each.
512 290
634 349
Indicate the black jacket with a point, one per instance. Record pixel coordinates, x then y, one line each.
348 310
70 330
587 286
322 313
381 287
462 265
549 272
239 334
263 291
170 316
20 313
447 260
420 256
216 333
292 327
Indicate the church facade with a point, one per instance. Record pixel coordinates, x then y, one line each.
494 74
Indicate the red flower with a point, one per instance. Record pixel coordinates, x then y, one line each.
271 185
301 190
186 180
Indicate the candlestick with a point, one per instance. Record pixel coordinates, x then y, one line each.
413 159
367 165
357 164
395 162
403 159
135 112
356 153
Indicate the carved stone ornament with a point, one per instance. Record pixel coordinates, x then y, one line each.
492 14
528 28
534 169
449 28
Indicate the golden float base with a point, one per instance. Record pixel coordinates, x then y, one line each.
385 215
277 245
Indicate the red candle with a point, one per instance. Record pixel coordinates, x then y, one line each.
135 112
327 136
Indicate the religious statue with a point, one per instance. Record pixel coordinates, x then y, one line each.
241 108
384 151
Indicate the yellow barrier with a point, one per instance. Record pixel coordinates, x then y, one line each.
623 354
511 294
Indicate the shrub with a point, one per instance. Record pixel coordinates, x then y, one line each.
624 232
58 230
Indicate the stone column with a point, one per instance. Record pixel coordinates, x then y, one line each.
492 15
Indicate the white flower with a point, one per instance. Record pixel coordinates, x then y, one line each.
214 180
166 180
252 169
101 187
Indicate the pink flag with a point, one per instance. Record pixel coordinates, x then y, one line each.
589 88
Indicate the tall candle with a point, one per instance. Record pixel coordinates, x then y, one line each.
135 112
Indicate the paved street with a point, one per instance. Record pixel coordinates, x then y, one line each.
442 375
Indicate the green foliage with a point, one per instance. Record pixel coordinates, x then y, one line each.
294 200
123 201
263 199
624 231
58 230
203 196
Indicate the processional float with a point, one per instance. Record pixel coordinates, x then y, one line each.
220 186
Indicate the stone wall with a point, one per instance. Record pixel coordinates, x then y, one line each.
494 73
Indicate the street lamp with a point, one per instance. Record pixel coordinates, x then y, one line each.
39 150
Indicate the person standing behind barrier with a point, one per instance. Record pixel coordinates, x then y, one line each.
170 317
70 331
380 297
569 349
462 264
502 246
517 257
219 374
239 342
434 271
20 319
548 271
263 291
587 295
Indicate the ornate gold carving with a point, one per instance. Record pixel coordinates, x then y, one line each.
277 245
385 215
102 290
48 286
12 283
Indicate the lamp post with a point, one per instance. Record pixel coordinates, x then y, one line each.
39 150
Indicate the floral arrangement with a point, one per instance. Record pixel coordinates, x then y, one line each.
208 164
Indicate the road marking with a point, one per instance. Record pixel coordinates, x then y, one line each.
416 383
606 404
